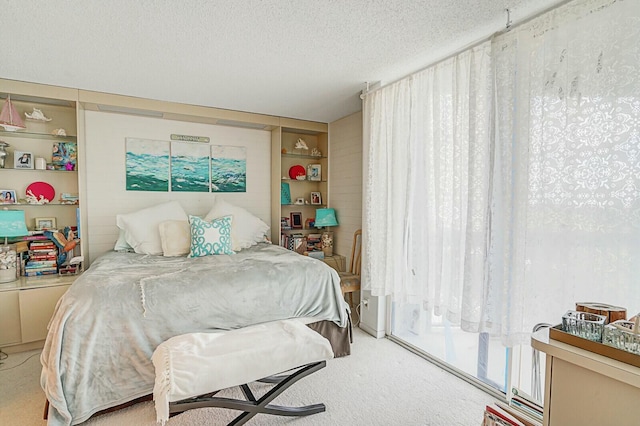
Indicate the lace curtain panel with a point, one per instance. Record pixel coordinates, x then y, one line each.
566 198
502 185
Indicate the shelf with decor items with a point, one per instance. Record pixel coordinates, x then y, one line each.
49 139
300 175
48 130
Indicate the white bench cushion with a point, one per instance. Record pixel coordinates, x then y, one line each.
198 363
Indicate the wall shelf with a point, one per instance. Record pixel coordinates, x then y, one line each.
305 156
43 136
37 170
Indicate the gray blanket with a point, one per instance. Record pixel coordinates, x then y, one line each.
105 328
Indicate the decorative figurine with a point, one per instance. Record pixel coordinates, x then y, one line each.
59 132
301 144
315 152
65 241
32 199
3 153
9 117
37 115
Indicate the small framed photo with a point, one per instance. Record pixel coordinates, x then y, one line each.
296 220
8 196
44 223
285 223
22 160
316 198
299 201
314 172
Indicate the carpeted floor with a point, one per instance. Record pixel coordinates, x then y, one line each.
380 383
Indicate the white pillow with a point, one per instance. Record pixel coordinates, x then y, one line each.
121 243
246 229
175 237
142 227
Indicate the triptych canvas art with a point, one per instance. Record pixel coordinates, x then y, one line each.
153 165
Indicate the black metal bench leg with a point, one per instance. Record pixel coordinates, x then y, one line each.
251 407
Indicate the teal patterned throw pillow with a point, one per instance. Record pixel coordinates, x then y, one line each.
209 238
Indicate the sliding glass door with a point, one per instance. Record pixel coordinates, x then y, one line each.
476 355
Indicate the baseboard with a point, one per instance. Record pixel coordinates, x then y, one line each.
378 334
23 347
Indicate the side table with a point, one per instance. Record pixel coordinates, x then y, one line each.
337 262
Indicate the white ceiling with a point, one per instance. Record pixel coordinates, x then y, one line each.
306 59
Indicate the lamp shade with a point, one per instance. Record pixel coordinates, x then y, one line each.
326 217
12 223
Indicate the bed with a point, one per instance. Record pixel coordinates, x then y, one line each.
97 354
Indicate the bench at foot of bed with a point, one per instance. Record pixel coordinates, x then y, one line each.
191 368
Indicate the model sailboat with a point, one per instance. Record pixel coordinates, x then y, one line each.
9 117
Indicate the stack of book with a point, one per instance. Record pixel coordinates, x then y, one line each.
41 258
314 242
522 410
67 198
295 242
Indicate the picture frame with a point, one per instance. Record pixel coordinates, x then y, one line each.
314 172
22 160
43 223
285 223
8 196
296 220
316 198
299 201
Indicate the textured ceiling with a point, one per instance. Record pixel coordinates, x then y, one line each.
305 59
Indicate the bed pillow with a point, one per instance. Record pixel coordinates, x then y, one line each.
142 227
247 230
121 243
210 237
175 236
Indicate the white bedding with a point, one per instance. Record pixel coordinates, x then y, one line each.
105 328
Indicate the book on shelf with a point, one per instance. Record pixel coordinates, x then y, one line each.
38 267
41 242
46 252
40 256
504 416
40 263
523 417
533 413
491 419
39 273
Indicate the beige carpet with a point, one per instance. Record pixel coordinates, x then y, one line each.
379 384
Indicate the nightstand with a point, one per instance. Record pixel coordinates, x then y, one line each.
336 261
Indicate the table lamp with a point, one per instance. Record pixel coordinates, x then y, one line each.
326 217
11 225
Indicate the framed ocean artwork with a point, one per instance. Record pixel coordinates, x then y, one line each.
189 167
147 165
228 168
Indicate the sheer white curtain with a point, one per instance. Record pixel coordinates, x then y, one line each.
503 185
566 200
427 145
